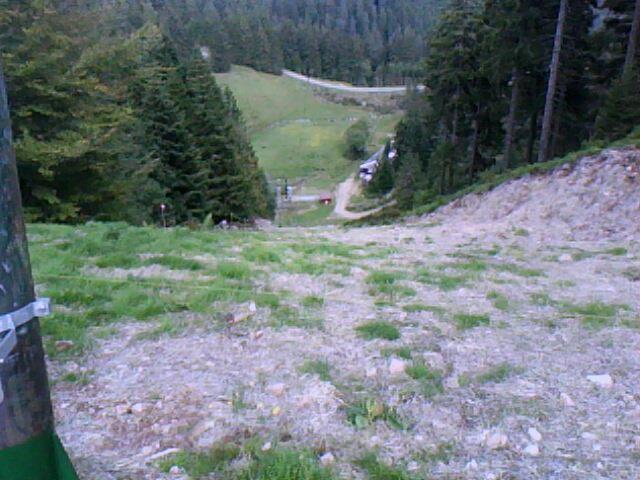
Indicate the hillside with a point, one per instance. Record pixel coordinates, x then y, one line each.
595 198
493 338
296 134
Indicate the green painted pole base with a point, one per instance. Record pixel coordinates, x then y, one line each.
41 458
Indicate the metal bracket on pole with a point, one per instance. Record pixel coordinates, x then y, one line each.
10 322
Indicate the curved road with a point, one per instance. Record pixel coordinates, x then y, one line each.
345 88
347 189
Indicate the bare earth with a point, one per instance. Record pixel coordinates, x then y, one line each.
549 388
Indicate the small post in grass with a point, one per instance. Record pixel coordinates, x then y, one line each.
29 448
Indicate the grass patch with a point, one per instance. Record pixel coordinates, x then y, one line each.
617 251
418 307
376 470
379 329
431 381
519 270
442 281
466 321
365 412
499 301
401 352
175 263
321 368
313 301
233 270
261 254
596 314
498 374
283 464
199 465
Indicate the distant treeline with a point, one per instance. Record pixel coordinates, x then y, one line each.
365 42
111 122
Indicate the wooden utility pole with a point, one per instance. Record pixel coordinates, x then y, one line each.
29 449
554 71
633 41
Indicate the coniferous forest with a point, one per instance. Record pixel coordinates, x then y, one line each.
116 112
511 83
112 122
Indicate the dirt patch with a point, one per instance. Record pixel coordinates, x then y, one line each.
516 302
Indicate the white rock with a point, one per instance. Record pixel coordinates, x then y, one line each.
397 367
252 307
372 372
277 389
534 434
472 465
266 447
532 450
139 408
175 470
565 257
602 381
327 459
588 436
496 440
567 401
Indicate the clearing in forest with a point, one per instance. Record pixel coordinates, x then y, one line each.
297 134
469 344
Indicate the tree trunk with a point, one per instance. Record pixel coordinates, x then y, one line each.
533 133
557 121
633 41
554 70
454 142
511 120
473 149
26 410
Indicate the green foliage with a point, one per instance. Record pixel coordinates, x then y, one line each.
466 321
283 464
110 122
376 470
383 181
356 139
620 112
322 368
365 412
199 465
380 329
497 374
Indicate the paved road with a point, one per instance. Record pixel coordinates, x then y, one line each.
345 88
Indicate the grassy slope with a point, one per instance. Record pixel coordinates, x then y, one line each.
296 134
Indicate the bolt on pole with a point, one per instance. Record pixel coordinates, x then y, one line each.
29 448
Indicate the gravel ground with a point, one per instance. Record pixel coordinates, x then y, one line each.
545 386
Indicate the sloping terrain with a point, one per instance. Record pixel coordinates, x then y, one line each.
495 339
595 198
296 134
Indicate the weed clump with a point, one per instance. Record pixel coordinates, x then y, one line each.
382 330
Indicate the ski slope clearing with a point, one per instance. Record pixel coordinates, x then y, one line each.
497 338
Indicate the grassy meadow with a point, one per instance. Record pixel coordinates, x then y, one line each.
296 134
